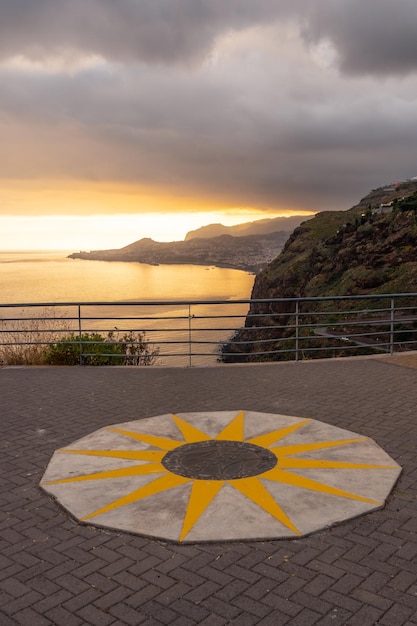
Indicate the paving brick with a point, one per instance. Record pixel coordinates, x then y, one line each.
373 599
93 615
397 614
213 620
366 616
244 619
52 600
121 565
261 588
402 581
171 563
21 603
319 584
183 607
130 581
250 560
202 592
329 570
7 621
184 621
29 617
74 584
362 570
340 600
319 605
108 600
346 584
127 615
251 606
191 578
82 599
144 595
270 572
224 609
13 587
281 604
242 574
375 581
305 556
306 617
199 561
400 598
163 614
336 616
175 592
275 619
289 587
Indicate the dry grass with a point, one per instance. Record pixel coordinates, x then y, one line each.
24 342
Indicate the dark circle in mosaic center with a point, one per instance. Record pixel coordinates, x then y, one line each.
219 460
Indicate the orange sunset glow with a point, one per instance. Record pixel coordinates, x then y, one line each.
79 215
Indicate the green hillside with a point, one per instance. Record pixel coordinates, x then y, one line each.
369 249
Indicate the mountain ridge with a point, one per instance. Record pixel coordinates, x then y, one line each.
258 227
248 252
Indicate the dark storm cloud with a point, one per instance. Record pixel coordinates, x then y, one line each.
125 30
370 36
268 103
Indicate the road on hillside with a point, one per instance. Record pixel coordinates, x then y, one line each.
324 332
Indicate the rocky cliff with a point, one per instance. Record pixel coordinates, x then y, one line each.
369 249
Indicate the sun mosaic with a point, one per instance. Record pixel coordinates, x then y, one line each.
220 476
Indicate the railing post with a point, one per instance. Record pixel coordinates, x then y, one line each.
80 343
189 335
391 343
297 336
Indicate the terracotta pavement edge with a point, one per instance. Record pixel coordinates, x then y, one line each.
55 571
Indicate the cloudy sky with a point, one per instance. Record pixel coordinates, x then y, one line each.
215 110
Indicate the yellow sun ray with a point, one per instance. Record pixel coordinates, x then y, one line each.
253 489
202 493
233 431
287 463
190 433
281 476
153 440
135 455
169 481
281 451
122 472
268 439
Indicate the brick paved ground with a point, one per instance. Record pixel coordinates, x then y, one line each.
55 571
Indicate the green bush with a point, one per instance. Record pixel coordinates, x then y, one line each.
92 348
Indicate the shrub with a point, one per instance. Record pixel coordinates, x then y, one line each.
92 348
49 340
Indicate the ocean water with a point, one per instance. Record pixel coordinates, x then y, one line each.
50 277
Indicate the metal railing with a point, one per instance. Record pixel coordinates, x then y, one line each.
202 332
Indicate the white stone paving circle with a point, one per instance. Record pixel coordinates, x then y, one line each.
116 478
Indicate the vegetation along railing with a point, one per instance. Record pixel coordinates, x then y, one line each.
206 332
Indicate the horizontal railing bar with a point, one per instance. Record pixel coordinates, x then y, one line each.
382 296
